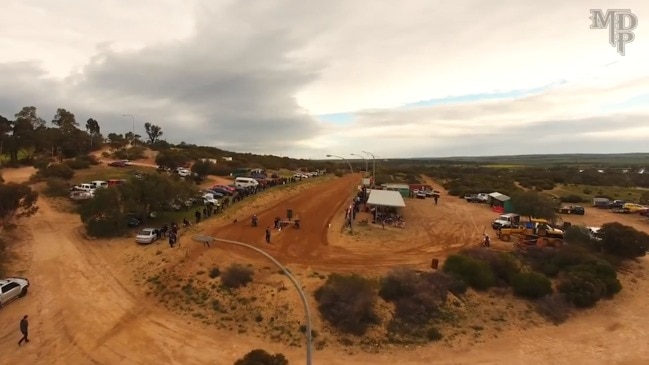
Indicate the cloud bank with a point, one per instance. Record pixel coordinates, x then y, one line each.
417 79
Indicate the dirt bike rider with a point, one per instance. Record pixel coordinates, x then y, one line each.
254 220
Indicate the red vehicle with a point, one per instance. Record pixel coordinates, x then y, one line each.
224 187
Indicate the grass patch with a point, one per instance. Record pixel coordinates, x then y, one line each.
589 192
107 173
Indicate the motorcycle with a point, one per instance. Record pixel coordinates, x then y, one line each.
254 221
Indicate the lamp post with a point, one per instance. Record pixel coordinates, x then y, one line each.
363 157
294 281
373 166
344 159
133 120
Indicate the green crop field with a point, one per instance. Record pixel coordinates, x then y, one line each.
589 192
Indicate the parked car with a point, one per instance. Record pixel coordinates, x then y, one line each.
12 288
572 209
210 199
183 172
132 220
593 233
221 191
477 198
147 236
616 204
163 169
635 208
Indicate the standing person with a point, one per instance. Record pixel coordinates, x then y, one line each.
267 234
487 241
436 197
24 329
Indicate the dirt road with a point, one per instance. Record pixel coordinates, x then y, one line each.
85 309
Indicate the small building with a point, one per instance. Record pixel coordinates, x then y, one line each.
227 158
497 199
366 181
403 189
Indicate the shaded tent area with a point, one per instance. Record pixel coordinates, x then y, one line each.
500 203
386 198
385 205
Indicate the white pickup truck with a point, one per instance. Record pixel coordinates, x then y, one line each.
12 288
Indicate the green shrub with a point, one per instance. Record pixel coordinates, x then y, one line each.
56 187
587 191
261 357
136 153
347 302
583 289
433 334
215 272
78 163
531 285
504 265
61 171
572 199
42 163
623 241
475 273
605 273
236 276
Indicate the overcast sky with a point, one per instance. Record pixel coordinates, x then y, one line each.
308 78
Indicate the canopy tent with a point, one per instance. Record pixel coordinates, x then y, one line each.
386 198
502 202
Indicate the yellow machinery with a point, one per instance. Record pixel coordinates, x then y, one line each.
535 229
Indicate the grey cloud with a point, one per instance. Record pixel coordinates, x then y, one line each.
544 137
231 88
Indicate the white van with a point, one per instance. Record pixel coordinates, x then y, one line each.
85 187
245 182
99 184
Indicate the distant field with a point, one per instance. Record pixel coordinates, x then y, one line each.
629 194
505 166
620 159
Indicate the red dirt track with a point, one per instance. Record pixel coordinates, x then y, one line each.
314 207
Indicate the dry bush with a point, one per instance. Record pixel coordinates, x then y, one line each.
261 357
399 283
347 302
236 276
555 308
56 187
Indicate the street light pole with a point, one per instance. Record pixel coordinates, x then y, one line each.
296 283
133 120
344 159
373 166
363 157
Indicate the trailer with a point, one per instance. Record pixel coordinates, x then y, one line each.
602 203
